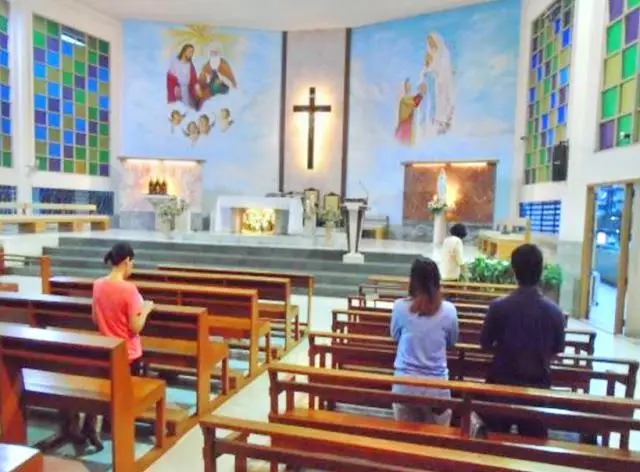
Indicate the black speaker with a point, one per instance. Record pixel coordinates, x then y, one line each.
559 162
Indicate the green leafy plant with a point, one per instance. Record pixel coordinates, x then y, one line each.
496 271
172 209
331 216
552 276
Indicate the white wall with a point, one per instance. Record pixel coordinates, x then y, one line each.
75 15
315 59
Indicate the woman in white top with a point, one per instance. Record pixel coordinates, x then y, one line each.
452 259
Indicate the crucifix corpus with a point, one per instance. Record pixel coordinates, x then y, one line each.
312 109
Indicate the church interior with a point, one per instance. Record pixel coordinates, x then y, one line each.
277 167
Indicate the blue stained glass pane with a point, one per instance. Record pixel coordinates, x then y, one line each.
6 126
104 116
41 133
4 41
53 59
54 105
554 99
67 93
564 76
103 74
54 120
532 95
6 110
40 101
53 89
545 121
543 139
68 152
67 107
52 43
81 139
566 37
67 138
551 137
533 61
4 59
93 127
104 102
81 124
93 85
39 70
93 72
41 117
562 114
5 92
79 80
539 73
556 25
54 150
67 48
38 55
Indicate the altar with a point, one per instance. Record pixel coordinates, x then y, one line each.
258 215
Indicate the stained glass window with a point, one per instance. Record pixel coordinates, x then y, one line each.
5 91
544 216
548 92
619 105
71 87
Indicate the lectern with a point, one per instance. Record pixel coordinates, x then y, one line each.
355 209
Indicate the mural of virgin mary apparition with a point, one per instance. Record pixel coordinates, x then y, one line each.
437 110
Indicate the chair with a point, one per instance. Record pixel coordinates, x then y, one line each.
312 195
331 201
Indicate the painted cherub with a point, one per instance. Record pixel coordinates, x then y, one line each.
206 124
225 119
176 118
192 132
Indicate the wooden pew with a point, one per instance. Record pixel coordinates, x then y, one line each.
375 323
298 280
15 458
583 414
233 313
71 371
467 362
66 223
42 262
307 448
174 336
276 291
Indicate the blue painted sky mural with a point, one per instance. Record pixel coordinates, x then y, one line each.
430 88
202 92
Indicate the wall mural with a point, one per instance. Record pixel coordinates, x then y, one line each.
437 87
202 92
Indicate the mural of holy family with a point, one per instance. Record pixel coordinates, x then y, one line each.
428 108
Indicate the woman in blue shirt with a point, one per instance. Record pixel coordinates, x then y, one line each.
424 326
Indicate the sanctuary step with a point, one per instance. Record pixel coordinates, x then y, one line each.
82 256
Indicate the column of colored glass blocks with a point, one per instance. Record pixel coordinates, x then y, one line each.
548 93
71 85
5 91
619 106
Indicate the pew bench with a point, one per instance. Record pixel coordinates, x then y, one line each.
175 338
65 223
274 294
583 414
307 448
77 372
233 313
298 280
14 458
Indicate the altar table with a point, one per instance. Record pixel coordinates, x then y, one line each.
290 206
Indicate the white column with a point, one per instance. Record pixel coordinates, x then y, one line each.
21 77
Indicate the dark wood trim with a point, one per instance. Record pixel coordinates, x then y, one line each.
283 111
345 113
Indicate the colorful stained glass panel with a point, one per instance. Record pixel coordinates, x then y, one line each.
6 156
71 85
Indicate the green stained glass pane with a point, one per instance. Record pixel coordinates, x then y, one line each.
53 29
614 37
528 159
93 168
632 3
67 79
54 135
79 68
630 62
104 129
81 153
547 86
609 103
93 113
548 50
92 43
4 23
81 97
93 155
53 74
39 39
104 157
93 141
93 57
554 64
67 166
103 47
42 163
67 63
104 142
542 156
625 125
6 159
529 127
40 86
41 148
535 142
39 23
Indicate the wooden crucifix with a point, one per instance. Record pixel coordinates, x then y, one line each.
312 109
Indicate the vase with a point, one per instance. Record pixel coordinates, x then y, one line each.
328 233
439 229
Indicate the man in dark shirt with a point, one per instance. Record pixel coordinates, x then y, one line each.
524 330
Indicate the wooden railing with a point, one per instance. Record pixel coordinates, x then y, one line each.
42 262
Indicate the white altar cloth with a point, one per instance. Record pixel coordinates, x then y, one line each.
292 205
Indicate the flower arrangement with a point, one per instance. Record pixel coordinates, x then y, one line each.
437 205
172 209
331 216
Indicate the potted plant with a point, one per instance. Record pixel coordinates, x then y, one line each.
170 210
330 217
552 281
